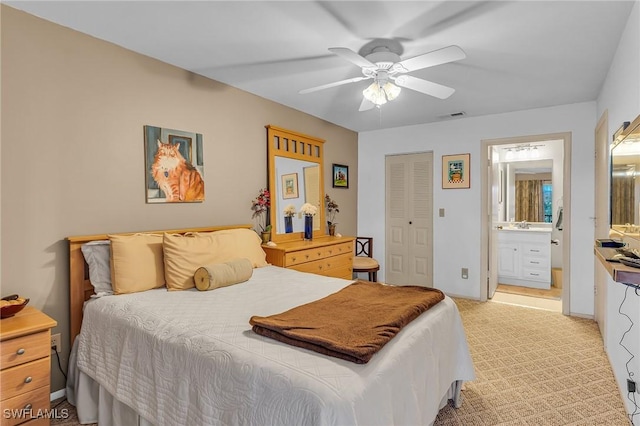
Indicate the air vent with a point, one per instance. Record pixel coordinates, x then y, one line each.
452 115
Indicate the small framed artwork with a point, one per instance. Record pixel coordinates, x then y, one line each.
455 171
290 186
340 176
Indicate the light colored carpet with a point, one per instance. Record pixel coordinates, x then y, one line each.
533 367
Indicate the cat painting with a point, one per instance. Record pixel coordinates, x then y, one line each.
175 176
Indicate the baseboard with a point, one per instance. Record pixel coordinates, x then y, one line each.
58 394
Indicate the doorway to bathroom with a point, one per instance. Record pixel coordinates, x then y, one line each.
525 195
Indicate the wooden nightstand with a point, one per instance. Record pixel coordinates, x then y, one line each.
25 364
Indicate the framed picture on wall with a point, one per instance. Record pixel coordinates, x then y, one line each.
290 186
455 171
174 166
340 176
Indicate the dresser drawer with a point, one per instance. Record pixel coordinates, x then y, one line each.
336 266
24 349
25 407
303 256
309 255
25 377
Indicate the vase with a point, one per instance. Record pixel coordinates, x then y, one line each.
288 224
332 229
266 236
308 227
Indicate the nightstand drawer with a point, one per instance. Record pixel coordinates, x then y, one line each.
24 349
25 377
25 407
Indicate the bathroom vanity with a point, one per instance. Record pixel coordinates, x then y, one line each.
524 257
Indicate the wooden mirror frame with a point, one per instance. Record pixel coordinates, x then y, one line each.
297 146
630 134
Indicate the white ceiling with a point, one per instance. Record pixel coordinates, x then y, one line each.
520 54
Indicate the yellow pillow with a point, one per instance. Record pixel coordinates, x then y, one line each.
230 244
136 262
183 254
222 274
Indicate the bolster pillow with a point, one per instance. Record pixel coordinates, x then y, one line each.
222 274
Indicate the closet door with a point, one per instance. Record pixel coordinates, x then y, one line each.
409 219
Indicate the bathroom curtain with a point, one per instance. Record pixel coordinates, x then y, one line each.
623 189
529 205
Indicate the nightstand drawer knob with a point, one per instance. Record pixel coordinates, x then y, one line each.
20 351
28 379
28 407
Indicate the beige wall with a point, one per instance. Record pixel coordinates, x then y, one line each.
72 162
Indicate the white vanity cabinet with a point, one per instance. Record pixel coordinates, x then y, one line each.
524 258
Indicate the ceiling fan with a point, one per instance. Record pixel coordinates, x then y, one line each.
380 60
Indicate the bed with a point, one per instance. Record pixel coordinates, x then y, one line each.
159 357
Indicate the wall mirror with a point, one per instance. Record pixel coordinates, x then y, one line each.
625 183
295 165
531 191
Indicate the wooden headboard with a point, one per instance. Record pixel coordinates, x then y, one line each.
80 288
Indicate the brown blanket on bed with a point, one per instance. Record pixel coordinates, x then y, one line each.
353 323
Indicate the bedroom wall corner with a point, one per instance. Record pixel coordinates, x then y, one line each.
73 111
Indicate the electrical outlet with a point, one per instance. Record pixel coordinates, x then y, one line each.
465 273
56 341
631 386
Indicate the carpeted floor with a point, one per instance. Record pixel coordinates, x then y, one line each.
533 367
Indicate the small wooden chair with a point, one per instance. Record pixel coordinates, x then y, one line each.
363 261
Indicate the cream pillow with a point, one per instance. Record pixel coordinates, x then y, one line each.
222 274
136 262
183 254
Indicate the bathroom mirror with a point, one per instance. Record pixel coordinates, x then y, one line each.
625 184
295 165
529 190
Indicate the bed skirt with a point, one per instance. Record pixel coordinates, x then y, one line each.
94 404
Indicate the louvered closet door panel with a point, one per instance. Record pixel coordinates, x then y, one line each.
409 219
421 205
397 246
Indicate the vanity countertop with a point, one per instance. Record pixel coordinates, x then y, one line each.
532 229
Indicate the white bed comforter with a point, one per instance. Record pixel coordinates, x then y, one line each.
190 358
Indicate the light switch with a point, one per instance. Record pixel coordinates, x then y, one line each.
465 273
441 214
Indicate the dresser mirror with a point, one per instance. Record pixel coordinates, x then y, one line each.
295 165
625 180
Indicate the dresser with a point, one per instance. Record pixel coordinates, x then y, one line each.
327 255
25 352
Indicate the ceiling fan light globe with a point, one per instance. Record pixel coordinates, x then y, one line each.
391 90
375 94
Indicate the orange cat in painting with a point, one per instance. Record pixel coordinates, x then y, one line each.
177 178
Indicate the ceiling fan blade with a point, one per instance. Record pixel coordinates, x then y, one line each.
366 105
334 84
352 57
423 86
433 58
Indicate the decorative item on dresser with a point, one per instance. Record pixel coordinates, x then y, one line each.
329 256
25 351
